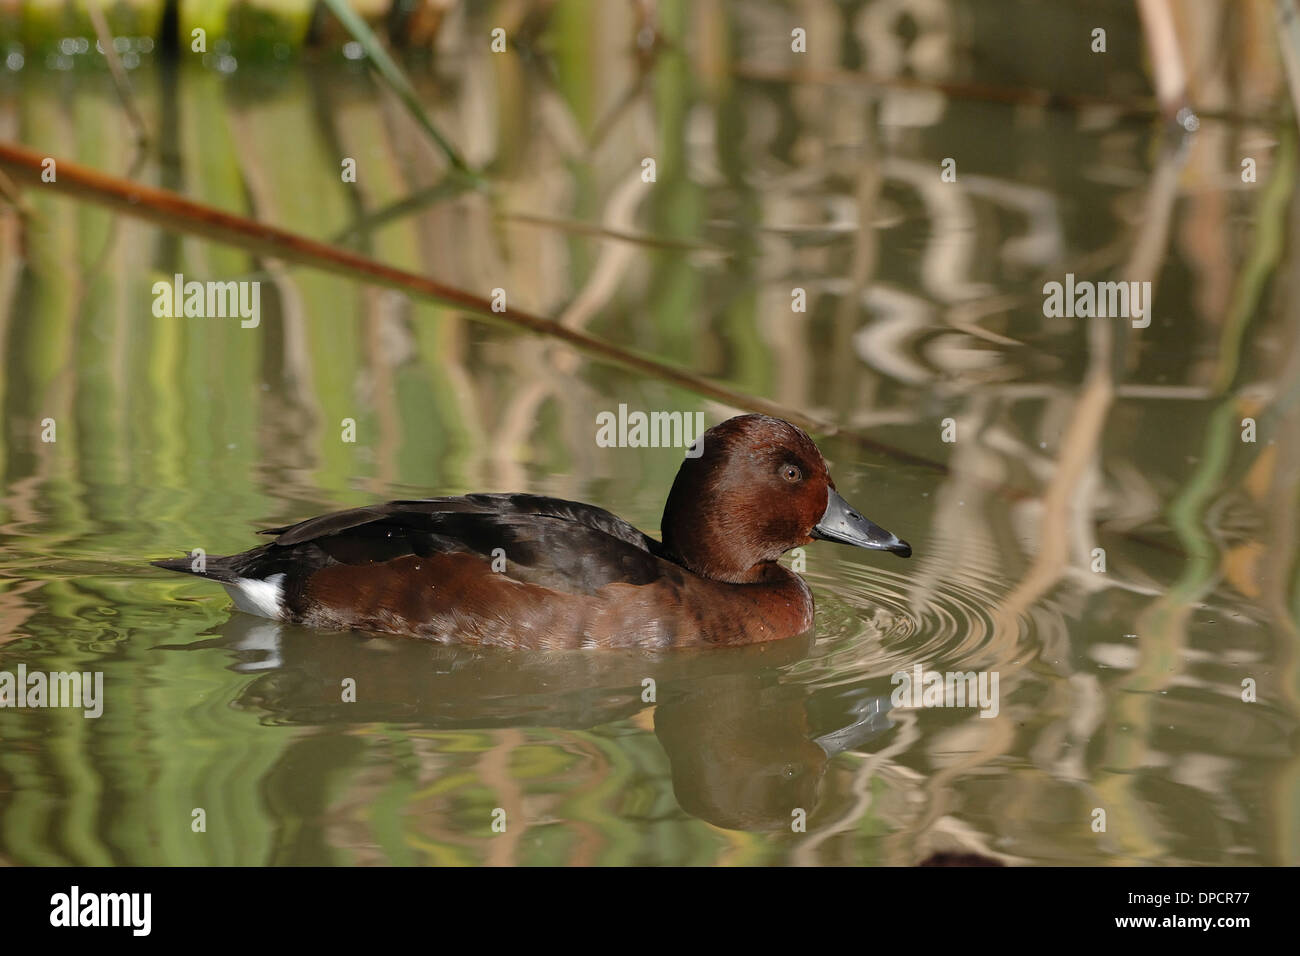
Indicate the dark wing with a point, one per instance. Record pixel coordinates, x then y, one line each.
413 512
546 541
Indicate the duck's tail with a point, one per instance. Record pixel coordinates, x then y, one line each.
256 588
216 568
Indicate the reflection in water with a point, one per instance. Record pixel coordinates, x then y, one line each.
741 753
1099 530
740 742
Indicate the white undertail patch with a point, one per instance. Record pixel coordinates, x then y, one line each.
262 597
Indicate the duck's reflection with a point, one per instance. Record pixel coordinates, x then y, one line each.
746 750
743 751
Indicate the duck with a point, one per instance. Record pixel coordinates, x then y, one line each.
531 572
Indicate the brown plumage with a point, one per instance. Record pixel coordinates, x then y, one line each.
529 571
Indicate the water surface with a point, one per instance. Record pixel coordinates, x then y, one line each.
1120 689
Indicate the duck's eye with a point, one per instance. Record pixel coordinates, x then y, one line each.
791 473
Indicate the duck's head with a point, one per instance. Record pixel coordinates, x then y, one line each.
757 489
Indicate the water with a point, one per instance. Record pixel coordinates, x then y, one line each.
1119 690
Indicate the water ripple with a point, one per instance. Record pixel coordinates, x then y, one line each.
872 622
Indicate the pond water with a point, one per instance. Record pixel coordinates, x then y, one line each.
1101 532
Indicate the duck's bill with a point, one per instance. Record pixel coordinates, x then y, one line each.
841 523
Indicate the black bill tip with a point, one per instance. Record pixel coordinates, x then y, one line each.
843 524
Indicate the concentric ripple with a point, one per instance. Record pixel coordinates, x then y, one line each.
872 622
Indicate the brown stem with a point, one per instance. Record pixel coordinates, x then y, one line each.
175 212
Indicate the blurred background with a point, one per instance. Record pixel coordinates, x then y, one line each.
1121 679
